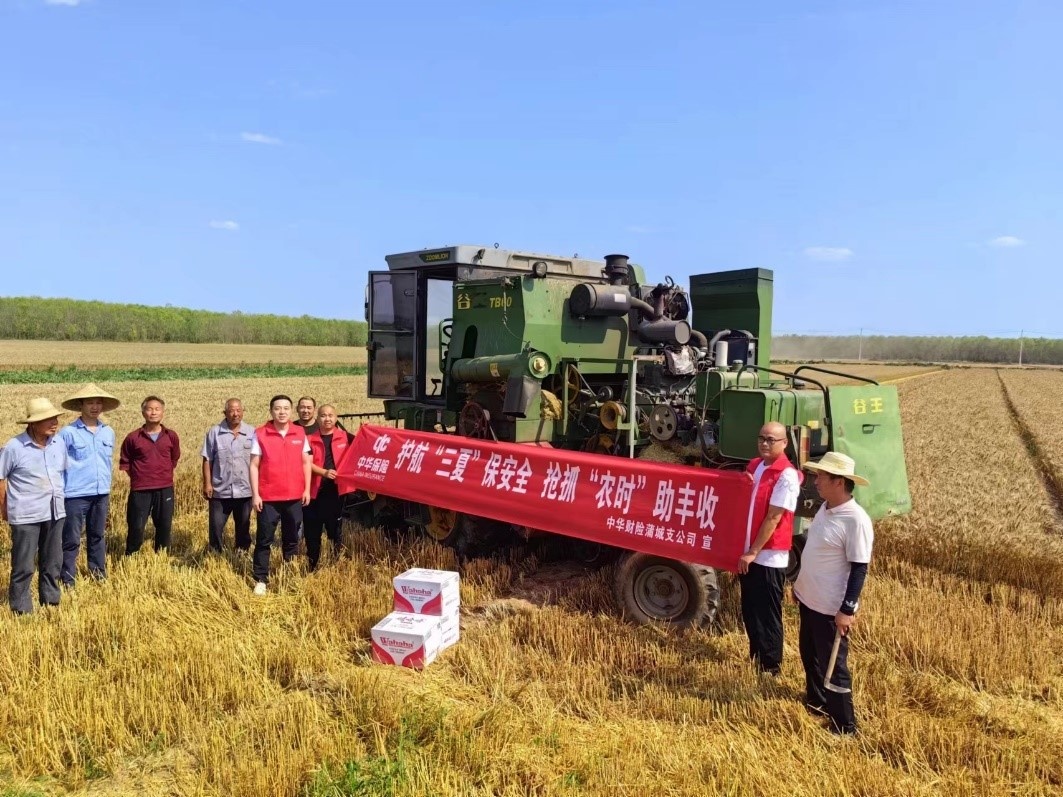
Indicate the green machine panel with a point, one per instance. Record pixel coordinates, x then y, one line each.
866 425
743 412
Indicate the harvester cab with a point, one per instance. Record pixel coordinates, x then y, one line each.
581 354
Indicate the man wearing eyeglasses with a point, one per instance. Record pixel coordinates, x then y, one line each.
762 568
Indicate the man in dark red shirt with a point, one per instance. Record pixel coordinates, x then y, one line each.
149 455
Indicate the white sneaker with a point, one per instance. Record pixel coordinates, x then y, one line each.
260 588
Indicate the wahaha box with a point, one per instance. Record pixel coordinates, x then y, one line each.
408 640
422 591
449 628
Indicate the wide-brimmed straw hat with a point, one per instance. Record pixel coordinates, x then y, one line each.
40 409
838 465
110 403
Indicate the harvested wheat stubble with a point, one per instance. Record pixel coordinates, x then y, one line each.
171 678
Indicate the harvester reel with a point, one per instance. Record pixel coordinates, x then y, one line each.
664 422
474 421
575 384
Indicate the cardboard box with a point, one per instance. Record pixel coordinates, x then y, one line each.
408 640
449 628
423 591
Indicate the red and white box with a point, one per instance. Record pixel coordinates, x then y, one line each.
408 640
423 591
449 628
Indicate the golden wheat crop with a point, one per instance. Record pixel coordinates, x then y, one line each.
171 678
1037 396
63 353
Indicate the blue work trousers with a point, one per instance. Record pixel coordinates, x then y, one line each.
87 512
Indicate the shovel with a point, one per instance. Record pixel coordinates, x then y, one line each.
830 667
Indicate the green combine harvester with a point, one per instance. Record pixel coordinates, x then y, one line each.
583 355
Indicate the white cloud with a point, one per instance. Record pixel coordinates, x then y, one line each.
828 254
228 224
1007 242
259 138
62 2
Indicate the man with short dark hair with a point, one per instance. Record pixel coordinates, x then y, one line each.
32 476
306 410
89 445
280 485
762 568
227 476
327 446
149 455
833 567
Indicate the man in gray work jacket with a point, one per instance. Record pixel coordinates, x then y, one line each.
227 476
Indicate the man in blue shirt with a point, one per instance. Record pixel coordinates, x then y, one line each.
90 449
31 500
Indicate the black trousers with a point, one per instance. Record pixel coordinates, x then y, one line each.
158 504
762 589
289 514
816 642
323 513
219 510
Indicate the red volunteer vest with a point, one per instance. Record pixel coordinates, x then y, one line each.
280 471
782 537
317 448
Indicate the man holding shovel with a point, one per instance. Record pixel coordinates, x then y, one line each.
833 568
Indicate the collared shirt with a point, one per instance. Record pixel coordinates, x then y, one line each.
837 538
150 463
91 458
34 478
229 455
784 495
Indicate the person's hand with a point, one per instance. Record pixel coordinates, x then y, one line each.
208 491
843 622
749 476
306 497
745 560
331 474
256 502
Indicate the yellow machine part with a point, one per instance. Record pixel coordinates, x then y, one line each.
441 523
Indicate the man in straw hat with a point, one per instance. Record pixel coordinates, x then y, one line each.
90 448
32 468
833 568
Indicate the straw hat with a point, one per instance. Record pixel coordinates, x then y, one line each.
838 465
110 403
40 409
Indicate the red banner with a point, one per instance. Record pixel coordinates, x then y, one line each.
691 514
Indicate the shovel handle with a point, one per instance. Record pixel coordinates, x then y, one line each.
833 659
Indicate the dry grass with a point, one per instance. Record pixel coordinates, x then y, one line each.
60 353
171 678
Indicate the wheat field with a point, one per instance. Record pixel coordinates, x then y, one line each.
170 678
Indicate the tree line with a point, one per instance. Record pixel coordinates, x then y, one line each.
34 318
978 349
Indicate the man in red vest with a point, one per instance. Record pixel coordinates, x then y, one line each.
328 444
762 568
280 485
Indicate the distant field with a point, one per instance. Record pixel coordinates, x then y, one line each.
20 354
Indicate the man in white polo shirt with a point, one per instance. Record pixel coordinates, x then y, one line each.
833 568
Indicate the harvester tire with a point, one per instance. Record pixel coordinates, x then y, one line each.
797 549
475 536
655 589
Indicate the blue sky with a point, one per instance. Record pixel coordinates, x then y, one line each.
898 165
